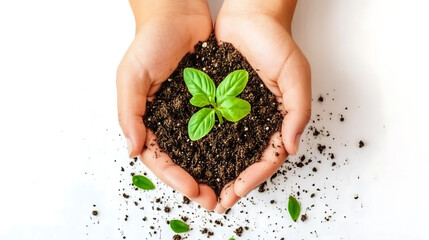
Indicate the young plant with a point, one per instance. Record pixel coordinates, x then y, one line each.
223 99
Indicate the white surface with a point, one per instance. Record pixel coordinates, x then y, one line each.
59 134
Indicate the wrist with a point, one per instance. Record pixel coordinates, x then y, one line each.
146 9
281 10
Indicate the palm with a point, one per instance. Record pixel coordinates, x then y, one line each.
270 49
158 50
264 42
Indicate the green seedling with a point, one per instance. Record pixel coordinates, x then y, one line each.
223 99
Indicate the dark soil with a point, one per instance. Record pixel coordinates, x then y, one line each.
228 149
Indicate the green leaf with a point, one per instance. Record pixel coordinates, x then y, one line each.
198 82
201 123
234 109
178 226
231 238
200 100
294 208
143 182
232 85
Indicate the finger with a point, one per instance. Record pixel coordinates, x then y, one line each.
272 158
206 197
227 196
220 209
166 170
132 88
295 86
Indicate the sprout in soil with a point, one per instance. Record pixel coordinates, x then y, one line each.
223 99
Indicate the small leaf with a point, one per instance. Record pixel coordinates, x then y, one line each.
200 100
198 82
234 109
231 238
178 226
143 182
232 85
294 208
201 123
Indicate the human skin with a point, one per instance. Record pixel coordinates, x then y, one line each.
262 33
165 31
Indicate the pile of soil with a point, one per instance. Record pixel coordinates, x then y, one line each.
229 148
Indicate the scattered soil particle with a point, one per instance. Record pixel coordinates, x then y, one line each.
185 219
361 144
320 99
356 196
303 217
204 230
228 149
239 231
273 176
177 237
167 209
316 132
95 213
262 187
314 169
186 200
321 148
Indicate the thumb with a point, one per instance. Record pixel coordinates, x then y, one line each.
295 87
132 84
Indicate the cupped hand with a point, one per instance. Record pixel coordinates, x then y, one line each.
165 31
261 32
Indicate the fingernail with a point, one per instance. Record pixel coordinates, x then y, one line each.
297 139
220 209
130 147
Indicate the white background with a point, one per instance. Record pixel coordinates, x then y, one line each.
59 136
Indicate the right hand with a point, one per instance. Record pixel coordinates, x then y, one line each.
165 31
262 33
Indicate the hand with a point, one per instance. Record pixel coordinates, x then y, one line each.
165 31
262 33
